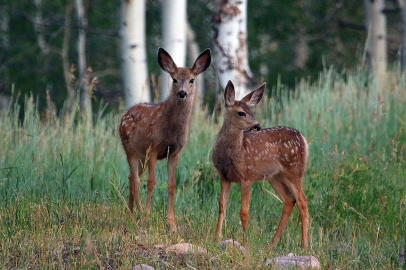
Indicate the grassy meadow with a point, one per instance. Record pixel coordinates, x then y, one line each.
64 186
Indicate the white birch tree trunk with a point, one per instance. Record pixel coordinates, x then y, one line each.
230 42
377 26
39 28
4 29
85 92
301 50
403 59
67 69
133 53
367 49
173 37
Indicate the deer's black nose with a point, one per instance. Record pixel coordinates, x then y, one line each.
257 127
182 94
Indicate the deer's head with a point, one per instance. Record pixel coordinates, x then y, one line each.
183 78
239 113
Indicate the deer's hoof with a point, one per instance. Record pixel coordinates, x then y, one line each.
172 226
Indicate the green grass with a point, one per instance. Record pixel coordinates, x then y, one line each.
64 186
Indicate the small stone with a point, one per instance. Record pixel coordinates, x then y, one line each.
401 259
231 242
300 262
143 267
184 248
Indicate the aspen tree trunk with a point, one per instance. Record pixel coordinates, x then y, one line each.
301 50
4 29
133 53
85 92
378 42
193 52
173 37
39 28
367 48
230 42
67 70
403 59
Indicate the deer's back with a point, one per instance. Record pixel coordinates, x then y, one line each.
275 149
261 154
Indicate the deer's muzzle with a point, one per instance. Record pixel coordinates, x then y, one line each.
257 127
182 94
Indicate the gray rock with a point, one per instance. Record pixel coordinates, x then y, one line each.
401 259
184 248
231 242
299 262
143 267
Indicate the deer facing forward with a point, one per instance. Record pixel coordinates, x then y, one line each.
276 154
160 130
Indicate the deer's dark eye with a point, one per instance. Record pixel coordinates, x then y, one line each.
174 80
241 113
192 81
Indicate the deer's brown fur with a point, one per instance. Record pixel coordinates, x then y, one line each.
161 128
276 154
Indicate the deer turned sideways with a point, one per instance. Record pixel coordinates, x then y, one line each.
160 130
245 153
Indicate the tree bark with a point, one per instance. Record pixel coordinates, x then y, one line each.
230 43
193 52
301 50
368 34
85 92
39 28
133 53
403 59
67 69
173 37
4 29
377 26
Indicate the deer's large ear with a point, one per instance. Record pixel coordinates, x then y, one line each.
202 62
229 94
254 97
165 61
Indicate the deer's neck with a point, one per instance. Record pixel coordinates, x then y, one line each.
177 111
231 140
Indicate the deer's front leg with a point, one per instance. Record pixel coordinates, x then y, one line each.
151 180
245 201
172 163
225 191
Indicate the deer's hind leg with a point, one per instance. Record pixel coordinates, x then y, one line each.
295 185
278 183
135 183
